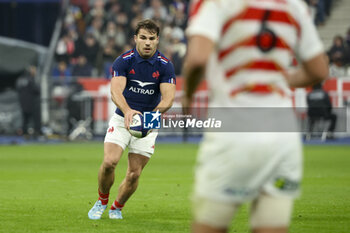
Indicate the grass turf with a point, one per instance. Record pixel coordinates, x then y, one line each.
50 188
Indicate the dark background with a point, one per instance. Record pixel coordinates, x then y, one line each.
30 20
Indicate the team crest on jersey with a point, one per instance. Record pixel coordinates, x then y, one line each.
155 74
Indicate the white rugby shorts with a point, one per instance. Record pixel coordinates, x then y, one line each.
238 167
118 134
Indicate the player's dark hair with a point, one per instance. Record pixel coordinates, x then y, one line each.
148 25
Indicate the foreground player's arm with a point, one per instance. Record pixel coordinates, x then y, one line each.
311 72
199 50
118 84
167 91
310 51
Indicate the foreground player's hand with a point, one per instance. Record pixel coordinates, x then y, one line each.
128 117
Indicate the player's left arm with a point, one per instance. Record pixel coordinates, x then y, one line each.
167 91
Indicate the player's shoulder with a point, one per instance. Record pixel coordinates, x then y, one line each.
297 7
163 60
125 58
128 55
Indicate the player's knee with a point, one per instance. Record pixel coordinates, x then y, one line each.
109 164
133 176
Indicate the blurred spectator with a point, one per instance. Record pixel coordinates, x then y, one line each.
178 9
165 38
73 14
74 20
320 14
82 4
122 19
96 11
61 73
178 5
112 9
109 53
320 107
95 28
178 49
65 48
137 8
75 105
338 52
115 33
338 57
328 7
87 31
29 97
156 11
89 48
337 71
82 68
73 35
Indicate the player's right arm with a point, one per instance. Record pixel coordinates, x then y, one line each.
314 63
311 72
199 51
118 84
203 32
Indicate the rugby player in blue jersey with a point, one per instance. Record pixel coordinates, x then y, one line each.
143 80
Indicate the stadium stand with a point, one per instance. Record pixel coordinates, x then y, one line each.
100 31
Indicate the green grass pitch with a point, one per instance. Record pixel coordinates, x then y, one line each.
50 188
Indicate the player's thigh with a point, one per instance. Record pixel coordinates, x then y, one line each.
136 163
271 212
117 133
116 139
112 153
213 213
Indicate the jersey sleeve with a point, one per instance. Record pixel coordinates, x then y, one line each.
310 44
168 74
119 67
206 20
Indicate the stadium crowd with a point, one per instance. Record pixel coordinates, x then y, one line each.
96 32
339 55
339 52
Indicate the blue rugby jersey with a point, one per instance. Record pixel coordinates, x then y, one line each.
143 78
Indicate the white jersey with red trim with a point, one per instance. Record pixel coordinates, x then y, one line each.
256 41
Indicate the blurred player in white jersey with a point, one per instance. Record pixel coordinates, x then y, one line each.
245 49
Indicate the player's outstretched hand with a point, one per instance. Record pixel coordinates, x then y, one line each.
128 117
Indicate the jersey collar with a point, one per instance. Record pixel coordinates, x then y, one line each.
151 60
